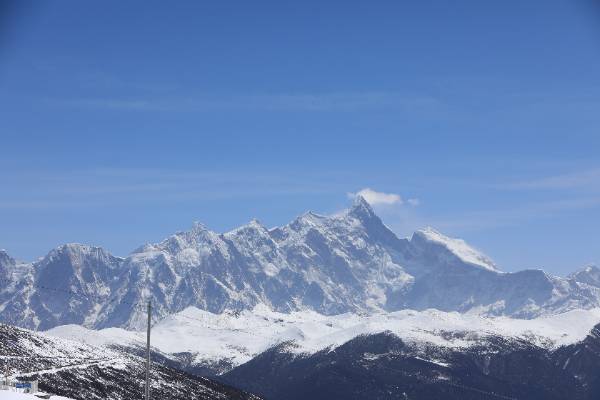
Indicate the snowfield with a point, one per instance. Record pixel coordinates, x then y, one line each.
238 337
459 248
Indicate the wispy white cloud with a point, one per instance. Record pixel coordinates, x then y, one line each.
375 198
118 104
589 178
489 219
104 187
381 198
337 101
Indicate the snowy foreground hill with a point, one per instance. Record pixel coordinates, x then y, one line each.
86 372
228 340
348 262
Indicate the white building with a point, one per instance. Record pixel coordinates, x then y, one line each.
20 386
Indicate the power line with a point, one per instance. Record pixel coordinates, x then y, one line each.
148 351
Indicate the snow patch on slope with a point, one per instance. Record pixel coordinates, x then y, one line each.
459 248
96 337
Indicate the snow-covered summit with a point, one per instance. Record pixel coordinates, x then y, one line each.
7 266
4 253
361 208
80 252
589 274
6 259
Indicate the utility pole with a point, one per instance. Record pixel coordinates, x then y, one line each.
148 352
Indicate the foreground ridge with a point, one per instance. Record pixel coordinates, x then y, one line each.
87 372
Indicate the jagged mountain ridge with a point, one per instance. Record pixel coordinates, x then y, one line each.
348 262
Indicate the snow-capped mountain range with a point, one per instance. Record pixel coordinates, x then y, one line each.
348 262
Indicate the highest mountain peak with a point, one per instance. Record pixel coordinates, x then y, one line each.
361 207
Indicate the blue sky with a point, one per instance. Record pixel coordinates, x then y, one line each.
123 122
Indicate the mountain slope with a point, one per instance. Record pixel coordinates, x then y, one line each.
86 372
383 366
348 262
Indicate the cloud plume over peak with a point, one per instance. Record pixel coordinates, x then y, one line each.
376 198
